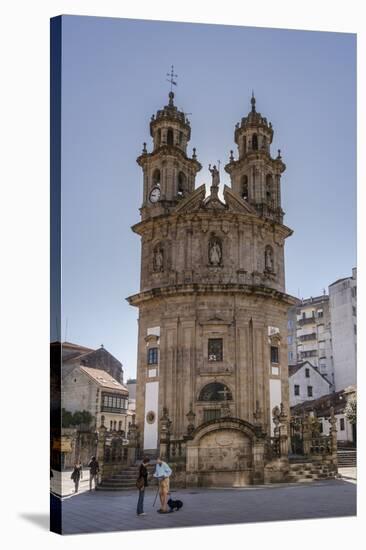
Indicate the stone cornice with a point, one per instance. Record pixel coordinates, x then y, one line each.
176 217
204 289
165 151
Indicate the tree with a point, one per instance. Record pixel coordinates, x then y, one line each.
75 419
350 410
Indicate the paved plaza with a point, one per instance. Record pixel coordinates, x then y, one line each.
102 511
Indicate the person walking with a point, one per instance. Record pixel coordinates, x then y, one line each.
94 470
77 474
141 483
163 473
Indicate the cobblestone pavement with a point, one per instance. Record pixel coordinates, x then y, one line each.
103 511
62 484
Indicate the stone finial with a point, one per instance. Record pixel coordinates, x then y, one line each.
144 150
231 158
252 101
171 99
279 154
194 156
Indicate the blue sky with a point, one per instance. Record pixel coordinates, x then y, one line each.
114 79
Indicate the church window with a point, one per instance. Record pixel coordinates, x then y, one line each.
211 414
170 137
158 138
181 184
215 349
156 177
215 391
244 145
255 142
274 354
244 187
152 356
269 188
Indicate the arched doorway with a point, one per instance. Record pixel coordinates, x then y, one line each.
220 454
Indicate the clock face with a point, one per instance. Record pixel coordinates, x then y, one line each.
154 194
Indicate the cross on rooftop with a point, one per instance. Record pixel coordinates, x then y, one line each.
171 78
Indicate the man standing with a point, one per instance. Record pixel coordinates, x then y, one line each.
162 473
94 469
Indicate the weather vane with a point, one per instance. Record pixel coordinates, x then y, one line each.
171 78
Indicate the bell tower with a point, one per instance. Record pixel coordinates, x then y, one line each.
169 174
256 175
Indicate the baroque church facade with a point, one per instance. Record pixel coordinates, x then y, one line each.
212 374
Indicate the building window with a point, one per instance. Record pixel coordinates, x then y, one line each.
355 329
310 391
274 354
120 426
215 391
321 427
211 414
307 373
152 356
156 177
341 424
215 349
296 389
170 137
113 403
354 311
111 425
255 142
320 313
244 187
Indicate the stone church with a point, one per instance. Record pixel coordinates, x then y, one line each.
212 345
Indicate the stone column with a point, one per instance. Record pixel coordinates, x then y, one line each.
100 451
258 459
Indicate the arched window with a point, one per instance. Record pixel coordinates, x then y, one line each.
264 142
156 177
268 258
244 188
170 137
215 391
111 425
255 142
181 184
158 138
244 145
269 189
115 424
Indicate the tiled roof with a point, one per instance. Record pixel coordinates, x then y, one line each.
104 379
292 369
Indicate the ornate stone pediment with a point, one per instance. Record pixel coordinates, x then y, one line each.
236 204
193 202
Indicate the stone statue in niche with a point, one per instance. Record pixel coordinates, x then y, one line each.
158 259
215 251
268 259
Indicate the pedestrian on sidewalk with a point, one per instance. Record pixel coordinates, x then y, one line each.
94 470
77 474
163 473
141 483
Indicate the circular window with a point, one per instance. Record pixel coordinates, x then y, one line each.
150 417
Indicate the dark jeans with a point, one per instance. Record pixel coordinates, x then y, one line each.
76 482
140 502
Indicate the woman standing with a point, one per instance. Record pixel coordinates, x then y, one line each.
141 483
76 475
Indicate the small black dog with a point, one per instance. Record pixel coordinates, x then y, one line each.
174 504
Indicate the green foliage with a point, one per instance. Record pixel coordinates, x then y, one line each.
70 420
350 410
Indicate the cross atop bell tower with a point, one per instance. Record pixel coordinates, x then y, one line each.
169 174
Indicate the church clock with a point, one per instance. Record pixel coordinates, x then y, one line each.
154 194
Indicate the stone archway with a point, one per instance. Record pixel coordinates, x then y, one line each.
221 454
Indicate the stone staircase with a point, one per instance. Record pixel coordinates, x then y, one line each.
300 472
347 457
124 481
